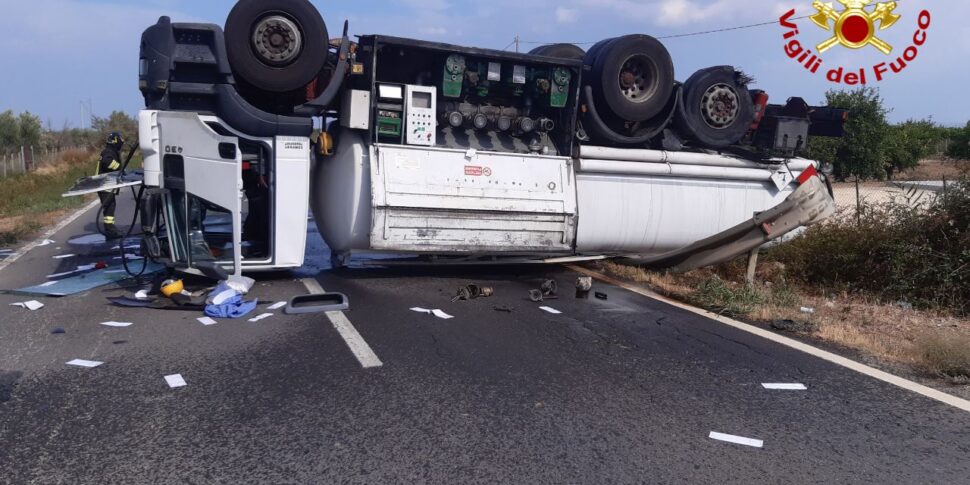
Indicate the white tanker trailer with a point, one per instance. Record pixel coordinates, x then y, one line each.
460 154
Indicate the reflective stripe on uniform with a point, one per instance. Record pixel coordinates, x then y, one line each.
109 219
114 165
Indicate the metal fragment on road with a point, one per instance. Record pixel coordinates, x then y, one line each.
785 387
89 364
175 381
206 321
739 440
277 306
32 305
550 310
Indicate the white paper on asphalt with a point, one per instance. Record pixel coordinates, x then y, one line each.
142 295
90 364
550 310
29 305
739 440
278 306
64 256
207 321
785 387
442 315
261 317
175 380
117 324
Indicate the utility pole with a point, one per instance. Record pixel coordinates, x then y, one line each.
516 43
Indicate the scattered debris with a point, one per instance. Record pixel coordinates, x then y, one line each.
227 302
46 242
550 310
32 305
261 317
550 287
317 303
207 321
437 313
142 295
90 364
88 240
547 291
793 326
602 296
119 342
583 286
472 292
117 324
65 256
175 381
504 309
739 440
807 310
58 331
785 387
277 306
242 284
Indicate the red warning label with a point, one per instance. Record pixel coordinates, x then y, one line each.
473 171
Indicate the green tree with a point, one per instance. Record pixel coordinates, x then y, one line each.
908 143
862 151
960 143
9 132
30 129
117 121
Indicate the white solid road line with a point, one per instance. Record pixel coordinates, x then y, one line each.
740 440
49 234
358 346
789 342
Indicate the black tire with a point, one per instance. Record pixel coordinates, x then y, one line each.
727 121
633 76
560 51
292 73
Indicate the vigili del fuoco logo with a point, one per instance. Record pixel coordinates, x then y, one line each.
855 26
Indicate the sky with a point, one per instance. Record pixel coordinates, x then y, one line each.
57 54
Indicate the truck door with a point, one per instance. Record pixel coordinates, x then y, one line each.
202 178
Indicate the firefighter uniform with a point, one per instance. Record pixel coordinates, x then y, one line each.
110 162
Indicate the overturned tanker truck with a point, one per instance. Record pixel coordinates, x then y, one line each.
457 154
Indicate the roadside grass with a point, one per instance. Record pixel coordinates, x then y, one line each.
28 202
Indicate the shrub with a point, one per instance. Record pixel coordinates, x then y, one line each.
893 252
945 355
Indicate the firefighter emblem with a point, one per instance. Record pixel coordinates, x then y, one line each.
856 26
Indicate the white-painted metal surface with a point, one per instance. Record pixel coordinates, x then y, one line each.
652 215
684 158
341 194
470 202
292 193
692 171
148 141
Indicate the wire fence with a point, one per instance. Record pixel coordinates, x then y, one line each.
856 196
28 159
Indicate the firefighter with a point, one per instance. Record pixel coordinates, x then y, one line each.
110 162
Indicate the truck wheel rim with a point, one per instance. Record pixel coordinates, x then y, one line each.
720 106
636 79
277 40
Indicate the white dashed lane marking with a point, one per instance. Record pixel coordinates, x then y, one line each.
358 346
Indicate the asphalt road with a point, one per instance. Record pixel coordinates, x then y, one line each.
620 391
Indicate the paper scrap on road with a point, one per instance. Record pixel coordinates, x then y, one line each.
442 315
90 364
46 242
785 387
207 321
142 295
32 305
117 324
550 310
739 440
437 313
65 256
261 317
175 380
278 305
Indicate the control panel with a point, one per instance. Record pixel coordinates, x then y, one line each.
421 114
